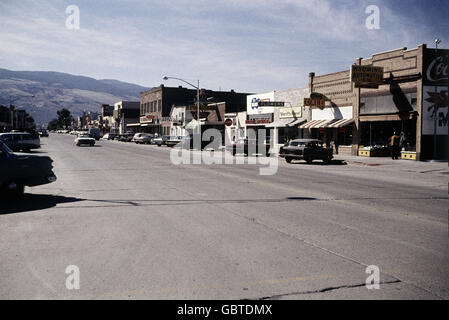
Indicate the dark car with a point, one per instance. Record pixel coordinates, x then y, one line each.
306 149
126 137
18 170
43 133
249 147
21 141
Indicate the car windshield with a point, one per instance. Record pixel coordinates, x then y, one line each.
5 147
297 144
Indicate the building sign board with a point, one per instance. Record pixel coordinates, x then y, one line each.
435 103
290 112
147 118
252 103
367 76
271 104
435 67
314 102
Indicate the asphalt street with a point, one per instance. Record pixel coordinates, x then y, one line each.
140 227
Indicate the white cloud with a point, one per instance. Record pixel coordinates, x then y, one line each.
251 45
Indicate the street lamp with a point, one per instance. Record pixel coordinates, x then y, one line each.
197 87
435 114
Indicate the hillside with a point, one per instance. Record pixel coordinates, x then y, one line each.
53 91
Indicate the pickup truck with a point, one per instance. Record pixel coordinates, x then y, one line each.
306 149
18 170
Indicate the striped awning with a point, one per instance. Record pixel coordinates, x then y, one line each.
342 123
310 124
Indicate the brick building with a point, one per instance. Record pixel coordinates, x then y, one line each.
156 104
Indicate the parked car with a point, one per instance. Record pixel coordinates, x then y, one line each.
249 147
173 141
20 170
142 138
126 137
20 141
306 149
84 139
161 140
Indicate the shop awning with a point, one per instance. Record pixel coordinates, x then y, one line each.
281 123
296 122
342 123
309 124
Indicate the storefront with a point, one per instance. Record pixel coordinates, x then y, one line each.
259 117
334 126
411 101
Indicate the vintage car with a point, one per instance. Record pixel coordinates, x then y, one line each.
174 141
126 137
18 170
249 147
306 149
21 141
161 140
84 139
142 138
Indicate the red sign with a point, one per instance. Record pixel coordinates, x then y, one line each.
228 122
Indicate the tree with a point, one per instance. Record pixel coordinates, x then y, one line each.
53 124
64 118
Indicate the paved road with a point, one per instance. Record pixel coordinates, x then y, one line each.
138 226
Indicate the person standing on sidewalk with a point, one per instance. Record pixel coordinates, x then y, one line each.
394 146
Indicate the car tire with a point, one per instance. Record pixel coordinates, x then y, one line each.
309 160
16 192
289 160
327 160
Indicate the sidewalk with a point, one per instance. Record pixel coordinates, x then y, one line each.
417 166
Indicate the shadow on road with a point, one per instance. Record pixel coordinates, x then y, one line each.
321 163
32 202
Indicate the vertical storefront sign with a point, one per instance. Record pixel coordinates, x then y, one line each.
435 92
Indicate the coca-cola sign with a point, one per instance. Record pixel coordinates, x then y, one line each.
436 67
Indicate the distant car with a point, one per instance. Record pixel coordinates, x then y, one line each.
126 137
84 139
20 141
143 138
43 133
19 170
173 141
94 133
306 149
249 147
161 140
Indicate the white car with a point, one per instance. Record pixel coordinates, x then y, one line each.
84 139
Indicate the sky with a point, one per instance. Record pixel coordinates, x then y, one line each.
245 45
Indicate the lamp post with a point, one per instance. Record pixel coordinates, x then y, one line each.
197 87
435 114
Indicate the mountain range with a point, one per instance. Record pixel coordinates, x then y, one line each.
43 93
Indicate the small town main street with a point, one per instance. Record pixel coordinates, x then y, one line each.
139 227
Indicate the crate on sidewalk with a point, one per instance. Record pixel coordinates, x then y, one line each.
408 155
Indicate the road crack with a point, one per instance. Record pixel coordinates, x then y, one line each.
279 296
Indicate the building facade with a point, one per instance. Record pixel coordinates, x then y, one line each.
156 105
